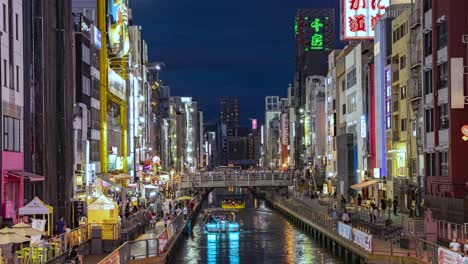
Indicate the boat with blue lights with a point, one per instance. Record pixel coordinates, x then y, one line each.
218 220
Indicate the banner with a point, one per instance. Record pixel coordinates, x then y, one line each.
170 231
113 258
38 224
162 239
362 239
345 231
447 256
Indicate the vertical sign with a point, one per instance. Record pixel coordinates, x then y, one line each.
363 126
314 30
388 98
359 18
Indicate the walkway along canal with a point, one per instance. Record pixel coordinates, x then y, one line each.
353 246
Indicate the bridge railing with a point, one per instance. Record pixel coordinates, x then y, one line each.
220 179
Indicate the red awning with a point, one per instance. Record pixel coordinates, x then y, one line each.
27 175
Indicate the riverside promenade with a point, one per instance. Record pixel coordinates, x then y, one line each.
354 244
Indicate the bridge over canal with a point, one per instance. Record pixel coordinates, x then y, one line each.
236 179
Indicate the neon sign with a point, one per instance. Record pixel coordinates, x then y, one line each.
314 30
316 41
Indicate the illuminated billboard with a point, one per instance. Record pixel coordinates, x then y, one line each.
119 43
359 18
116 84
314 30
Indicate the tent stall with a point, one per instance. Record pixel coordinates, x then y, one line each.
104 213
38 207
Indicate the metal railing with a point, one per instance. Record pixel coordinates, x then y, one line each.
153 247
448 230
225 179
54 247
395 246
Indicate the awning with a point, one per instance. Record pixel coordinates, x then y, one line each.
109 181
27 175
364 184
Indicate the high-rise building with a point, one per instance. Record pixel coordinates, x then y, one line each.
445 38
230 113
315 39
49 86
86 122
382 111
402 155
272 143
12 179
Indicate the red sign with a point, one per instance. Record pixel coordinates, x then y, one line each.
359 18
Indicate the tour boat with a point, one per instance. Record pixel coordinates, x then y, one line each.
233 204
220 220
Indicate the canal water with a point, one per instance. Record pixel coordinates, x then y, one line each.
265 237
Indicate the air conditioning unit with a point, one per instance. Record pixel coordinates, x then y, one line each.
465 39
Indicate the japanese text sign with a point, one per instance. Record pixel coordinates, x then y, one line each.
359 18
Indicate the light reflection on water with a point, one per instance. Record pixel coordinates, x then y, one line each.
265 237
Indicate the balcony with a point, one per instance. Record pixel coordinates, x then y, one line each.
415 85
415 18
415 54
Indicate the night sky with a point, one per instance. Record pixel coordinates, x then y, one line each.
242 48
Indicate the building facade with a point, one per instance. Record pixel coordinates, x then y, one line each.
445 111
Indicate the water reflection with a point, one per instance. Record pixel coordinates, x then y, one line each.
264 237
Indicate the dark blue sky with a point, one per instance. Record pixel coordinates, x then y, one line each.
242 48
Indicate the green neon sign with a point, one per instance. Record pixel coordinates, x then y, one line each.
316 41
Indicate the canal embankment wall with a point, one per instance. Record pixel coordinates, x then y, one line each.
323 229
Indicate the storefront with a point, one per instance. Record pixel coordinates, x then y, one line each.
369 190
13 181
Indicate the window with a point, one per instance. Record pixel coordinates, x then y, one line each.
443 157
11 134
89 118
343 109
17 78
86 55
334 104
86 85
403 92
443 116
430 164
351 102
402 62
5 73
403 125
443 76
428 44
343 85
4 18
429 120
16 24
441 35
428 82
414 166
427 5
350 78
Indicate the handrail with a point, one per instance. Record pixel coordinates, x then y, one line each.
419 249
153 246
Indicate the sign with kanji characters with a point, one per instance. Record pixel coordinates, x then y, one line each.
315 30
359 18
